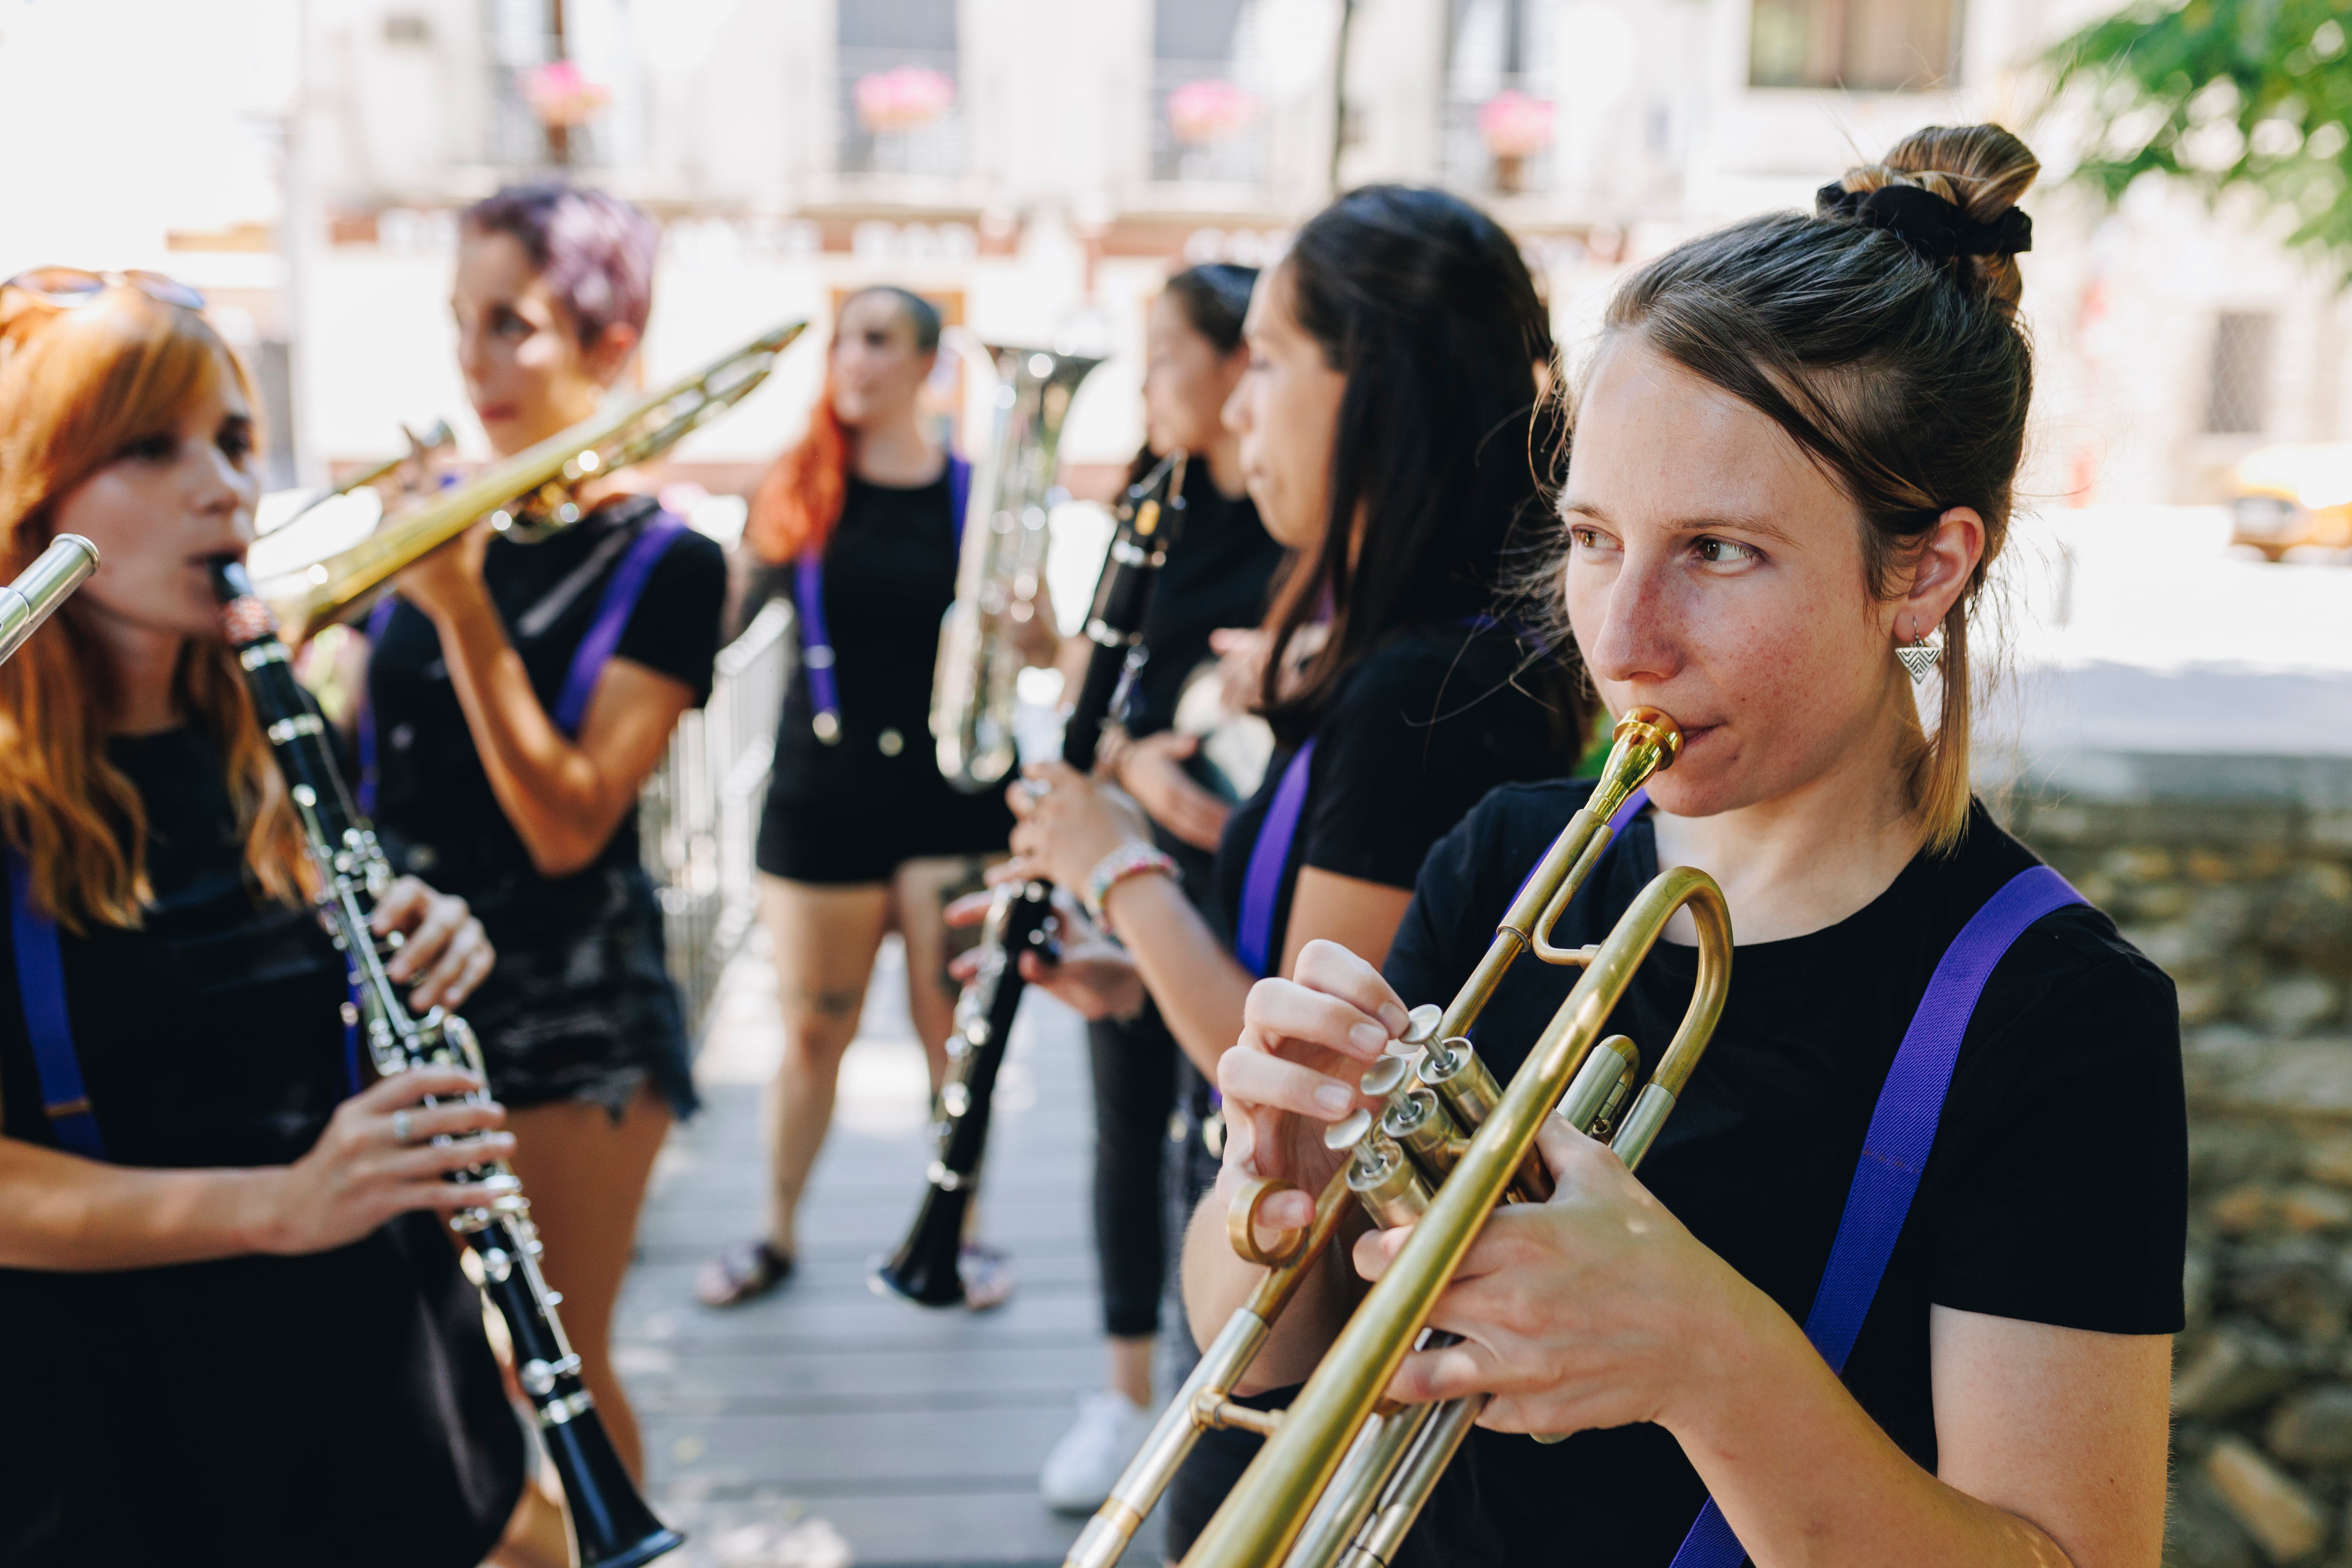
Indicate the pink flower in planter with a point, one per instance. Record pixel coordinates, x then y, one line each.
903 98
559 95
1210 111
1515 125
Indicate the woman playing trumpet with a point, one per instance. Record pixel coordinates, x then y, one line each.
1793 460
218 1251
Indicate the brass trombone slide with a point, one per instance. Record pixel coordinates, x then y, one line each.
529 492
1646 741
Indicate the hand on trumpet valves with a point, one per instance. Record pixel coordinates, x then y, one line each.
1094 975
1305 1042
447 583
1067 822
441 954
1596 1308
377 1160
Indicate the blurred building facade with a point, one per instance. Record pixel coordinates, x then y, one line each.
1040 166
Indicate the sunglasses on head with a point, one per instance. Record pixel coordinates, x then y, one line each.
63 287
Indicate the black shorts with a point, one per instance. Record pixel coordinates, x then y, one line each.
836 840
581 1005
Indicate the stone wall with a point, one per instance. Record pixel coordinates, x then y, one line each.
2237 878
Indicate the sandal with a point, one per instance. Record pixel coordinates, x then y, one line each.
740 1271
987 1276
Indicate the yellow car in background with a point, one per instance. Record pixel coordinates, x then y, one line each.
2291 496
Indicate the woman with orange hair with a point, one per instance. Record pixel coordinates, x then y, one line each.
861 835
202 1213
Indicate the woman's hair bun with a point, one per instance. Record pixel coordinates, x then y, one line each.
1982 170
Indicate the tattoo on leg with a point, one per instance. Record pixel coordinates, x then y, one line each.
832 1004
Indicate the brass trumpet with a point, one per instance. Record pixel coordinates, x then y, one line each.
530 492
1434 1100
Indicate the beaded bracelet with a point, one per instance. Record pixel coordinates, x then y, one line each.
1133 858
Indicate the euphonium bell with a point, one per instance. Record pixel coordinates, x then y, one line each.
1002 567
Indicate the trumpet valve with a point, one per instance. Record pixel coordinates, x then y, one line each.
1385 1180
1418 1123
1452 1069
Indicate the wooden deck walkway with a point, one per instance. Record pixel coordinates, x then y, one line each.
828 1426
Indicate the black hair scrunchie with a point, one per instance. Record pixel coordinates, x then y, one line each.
1926 222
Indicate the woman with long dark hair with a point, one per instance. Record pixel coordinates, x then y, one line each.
1392 434
223 1255
520 695
860 836
1216 578
1861 1308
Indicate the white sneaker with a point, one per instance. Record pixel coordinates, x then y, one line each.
1084 1465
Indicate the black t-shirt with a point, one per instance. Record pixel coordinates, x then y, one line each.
2085 1230
1215 577
142 1405
889 576
1418 733
431 788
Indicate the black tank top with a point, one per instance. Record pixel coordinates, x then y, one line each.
340 1406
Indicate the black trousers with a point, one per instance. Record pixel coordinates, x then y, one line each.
1134 1067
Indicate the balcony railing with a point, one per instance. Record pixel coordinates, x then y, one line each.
1471 163
699 813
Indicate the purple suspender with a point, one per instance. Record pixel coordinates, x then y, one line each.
1902 1132
1269 856
41 991
626 586
622 592
41 988
816 639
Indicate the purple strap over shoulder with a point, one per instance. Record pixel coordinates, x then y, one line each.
816 638
1902 1132
1269 856
48 1025
622 592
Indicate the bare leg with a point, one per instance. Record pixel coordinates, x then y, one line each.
537 1536
586 1175
824 940
918 896
1130 1368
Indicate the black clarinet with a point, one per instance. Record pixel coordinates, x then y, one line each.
611 1523
1021 919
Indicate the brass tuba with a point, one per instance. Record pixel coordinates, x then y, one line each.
1000 568
530 492
1336 1480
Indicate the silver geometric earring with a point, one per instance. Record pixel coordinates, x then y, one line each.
1921 658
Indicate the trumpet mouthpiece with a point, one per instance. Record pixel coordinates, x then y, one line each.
1649 728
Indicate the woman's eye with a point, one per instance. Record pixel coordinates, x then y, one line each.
1722 551
161 448
235 443
508 324
1587 539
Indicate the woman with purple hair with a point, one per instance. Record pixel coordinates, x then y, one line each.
520 694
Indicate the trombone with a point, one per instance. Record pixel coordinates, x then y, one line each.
434 436
529 494
1449 1145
